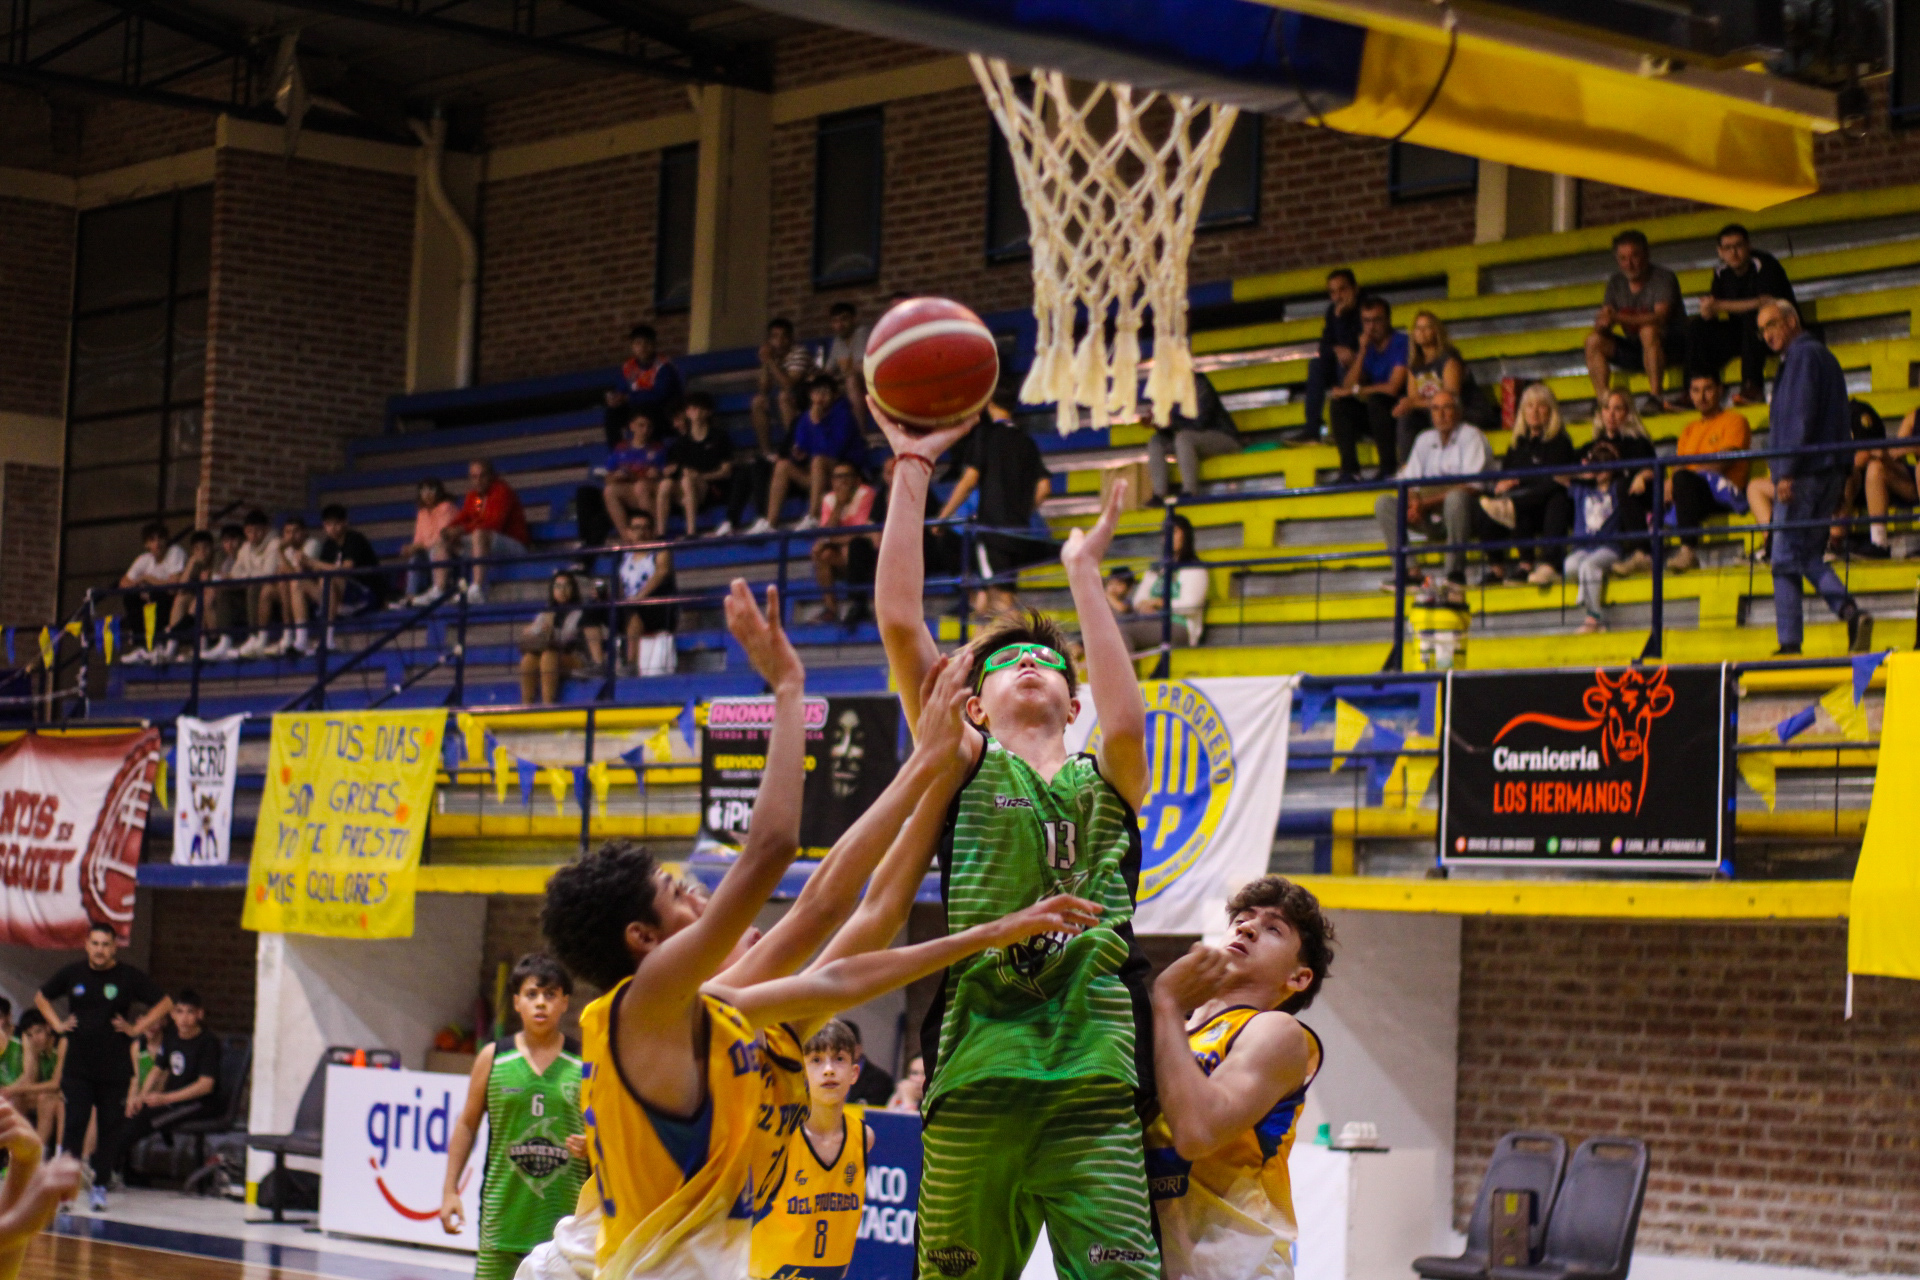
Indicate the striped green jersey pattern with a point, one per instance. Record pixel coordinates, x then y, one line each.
531 1182
1050 1008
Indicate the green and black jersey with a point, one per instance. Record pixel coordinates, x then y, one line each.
531 1182
1050 1008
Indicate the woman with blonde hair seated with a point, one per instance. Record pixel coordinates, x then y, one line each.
1435 364
1532 506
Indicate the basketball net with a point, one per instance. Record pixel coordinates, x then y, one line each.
1112 181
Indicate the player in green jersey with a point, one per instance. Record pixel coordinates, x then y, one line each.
1034 1052
527 1086
13 1059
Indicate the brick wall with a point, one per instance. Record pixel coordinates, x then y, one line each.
29 542
198 943
566 268
36 279
1779 1132
591 104
308 320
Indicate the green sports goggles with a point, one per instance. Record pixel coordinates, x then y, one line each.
1008 655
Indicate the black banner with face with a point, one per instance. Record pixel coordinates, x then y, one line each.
852 753
1586 768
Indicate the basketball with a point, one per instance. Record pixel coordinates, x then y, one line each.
930 363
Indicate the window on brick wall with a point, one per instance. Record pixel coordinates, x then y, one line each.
673 246
138 375
1006 216
1233 193
849 160
1422 173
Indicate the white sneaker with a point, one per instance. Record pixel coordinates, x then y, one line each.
725 529
762 525
806 523
476 593
219 651
306 650
427 597
136 657
166 653
275 648
252 646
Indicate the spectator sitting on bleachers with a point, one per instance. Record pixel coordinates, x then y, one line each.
258 557
785 366
152 573
1531 506
299 553
1443 511
637 474
1600 506
649 384
1433 362
436 511
1727 326
1339 340
1617 421
1706 488
823 435
700 468
345 547
37 1092
1001 464
551 645
644 573
491 523
1641 324
227 624
1880 478
1362 405
1190 585
1210 432
849 503
203 566
863 551
846 358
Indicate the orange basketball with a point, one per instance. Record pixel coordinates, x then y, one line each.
930 363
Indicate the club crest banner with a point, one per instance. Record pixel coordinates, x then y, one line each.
1217 769
73 813
207 757
336 849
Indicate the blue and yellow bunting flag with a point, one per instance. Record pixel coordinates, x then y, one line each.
1758 768
1847 712
1349 725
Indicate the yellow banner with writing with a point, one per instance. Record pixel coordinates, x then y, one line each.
336 850
1883 917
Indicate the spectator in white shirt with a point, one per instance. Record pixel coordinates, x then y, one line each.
258 557
1441 510
299 553
1140 618
159 566
846 358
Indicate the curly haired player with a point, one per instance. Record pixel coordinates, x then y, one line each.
1033 1052
1232 1082
678 1089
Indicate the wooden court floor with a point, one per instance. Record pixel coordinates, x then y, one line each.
52 1257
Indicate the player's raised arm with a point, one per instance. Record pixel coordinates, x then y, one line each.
1269 1060
857 979
900 579
1110 678
670 975
833 891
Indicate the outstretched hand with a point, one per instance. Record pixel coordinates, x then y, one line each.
904 443
1089 545
943 701
1193 979
762 636
1063 913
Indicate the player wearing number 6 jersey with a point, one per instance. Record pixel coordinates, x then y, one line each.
1033 1052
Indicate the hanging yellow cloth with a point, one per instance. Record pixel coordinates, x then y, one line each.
1883 932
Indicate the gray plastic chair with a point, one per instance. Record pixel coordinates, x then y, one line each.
1521 1162
1596 1217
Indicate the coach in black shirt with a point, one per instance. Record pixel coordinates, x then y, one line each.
1727 325
100 992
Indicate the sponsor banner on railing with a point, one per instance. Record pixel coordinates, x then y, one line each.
1217 772
207 756
73 813
1595 768
336 849
853 751
884 1248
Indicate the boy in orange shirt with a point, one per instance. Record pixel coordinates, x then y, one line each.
1706 488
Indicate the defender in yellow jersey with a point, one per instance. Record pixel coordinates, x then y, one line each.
809 1222
1232 1081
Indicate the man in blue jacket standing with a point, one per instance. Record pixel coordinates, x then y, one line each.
1809 407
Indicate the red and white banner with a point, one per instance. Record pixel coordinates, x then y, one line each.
73 811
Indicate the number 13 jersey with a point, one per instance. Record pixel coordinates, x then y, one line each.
1050 1008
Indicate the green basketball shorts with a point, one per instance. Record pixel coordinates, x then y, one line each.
496 1264
1004 1156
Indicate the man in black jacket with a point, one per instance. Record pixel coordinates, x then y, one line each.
1339 339
1728 324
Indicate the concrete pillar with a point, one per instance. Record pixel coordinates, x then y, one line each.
388 994
1516 202
732 222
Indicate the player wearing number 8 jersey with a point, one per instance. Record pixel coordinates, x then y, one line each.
807 1221
1033 1052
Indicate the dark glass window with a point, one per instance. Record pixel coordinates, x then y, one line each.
1420 173
673 253
137 382
1006 217
849 161
1233 193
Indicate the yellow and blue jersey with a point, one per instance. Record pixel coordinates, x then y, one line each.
808 1225
675 1192
1229 1214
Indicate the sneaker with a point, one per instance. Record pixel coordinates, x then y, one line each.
1872 551
252 646
762 525
430 596
806 523
1590 626
1492 576
1499 510
1543 575
306 650
1762 553
1836 548
1860 632
97 1199
221 650
275 648
476 593
724 529
166 653
1638 562
1683 559
136 657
